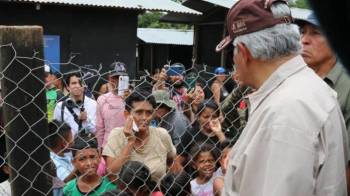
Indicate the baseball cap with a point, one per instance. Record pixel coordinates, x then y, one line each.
310 19
176 69
220 70
248 16
162 97
117 69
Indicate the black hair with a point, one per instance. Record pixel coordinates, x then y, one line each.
70 74
58 131
136 175
197 149
200 82
208 103
139 95
83 141
57 74
176 184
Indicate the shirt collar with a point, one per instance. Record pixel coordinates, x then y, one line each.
276 78
334 75
67 155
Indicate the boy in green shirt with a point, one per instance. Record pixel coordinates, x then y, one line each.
86 159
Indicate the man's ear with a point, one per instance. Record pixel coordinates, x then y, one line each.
247 56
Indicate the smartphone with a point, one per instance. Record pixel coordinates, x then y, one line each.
123 85
190 82
135 128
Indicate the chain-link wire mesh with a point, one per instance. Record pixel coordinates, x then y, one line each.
166 132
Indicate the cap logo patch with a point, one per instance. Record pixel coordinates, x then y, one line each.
239 26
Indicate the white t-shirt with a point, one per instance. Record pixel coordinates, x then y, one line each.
202 189
89 124
5 188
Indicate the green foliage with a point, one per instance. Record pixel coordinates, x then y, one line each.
300 4
151 20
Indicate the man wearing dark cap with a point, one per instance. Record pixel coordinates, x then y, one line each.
169 118
110 106
293 141
171 78
319 56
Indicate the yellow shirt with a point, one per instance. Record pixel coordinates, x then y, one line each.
153 155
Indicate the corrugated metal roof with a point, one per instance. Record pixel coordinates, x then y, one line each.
296 12
153 5
222 3
299 13
166 36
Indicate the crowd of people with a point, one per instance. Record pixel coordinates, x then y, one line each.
283 129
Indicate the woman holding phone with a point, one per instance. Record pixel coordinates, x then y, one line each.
137 140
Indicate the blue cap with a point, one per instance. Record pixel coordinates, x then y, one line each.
220 70
310 19
176 69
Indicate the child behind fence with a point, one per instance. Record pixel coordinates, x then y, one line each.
59 141
204 162
86 159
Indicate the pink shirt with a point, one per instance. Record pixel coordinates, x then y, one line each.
109 115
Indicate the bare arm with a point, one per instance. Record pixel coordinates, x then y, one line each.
100 128
115 164
215 88
160 83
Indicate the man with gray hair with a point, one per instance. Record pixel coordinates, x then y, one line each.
293 141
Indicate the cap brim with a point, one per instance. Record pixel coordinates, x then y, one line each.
302 22
169 103
118 74
223 44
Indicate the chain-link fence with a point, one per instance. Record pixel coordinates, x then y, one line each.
162 133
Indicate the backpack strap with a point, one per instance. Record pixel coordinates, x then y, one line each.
62 110
70 109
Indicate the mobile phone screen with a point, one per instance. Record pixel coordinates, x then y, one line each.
123 85
135 128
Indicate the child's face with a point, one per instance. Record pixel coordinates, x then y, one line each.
205 164
199 95
86 161
205 117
